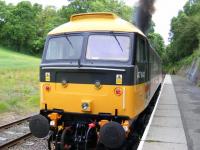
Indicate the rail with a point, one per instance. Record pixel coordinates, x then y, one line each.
20 139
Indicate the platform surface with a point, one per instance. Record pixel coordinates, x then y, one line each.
165 130
188 97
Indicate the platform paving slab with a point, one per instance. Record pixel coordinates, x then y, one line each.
168 107
167 122
168 113
164 146
166 134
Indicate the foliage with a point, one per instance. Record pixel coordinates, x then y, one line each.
83 6
25 26
185 62
19 25
157 42
185 33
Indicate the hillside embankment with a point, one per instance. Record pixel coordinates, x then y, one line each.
189 67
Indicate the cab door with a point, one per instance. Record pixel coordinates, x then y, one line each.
142 66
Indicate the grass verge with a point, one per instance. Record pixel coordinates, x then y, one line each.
18 81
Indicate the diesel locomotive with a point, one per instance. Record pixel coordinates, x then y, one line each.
98 74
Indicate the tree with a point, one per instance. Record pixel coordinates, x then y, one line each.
45 22
20 28
157 42
4 16
83 6
185 32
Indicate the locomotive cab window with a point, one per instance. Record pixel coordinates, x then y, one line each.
108 47
64 48
141 55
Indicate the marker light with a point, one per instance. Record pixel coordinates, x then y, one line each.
91 125
118 91
47 88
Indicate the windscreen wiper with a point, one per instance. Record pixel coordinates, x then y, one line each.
117 41
70 43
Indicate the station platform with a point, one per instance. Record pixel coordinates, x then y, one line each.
165 130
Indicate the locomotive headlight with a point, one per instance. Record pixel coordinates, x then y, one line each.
86 106
52 123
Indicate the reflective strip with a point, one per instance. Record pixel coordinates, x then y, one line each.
124 98
85 68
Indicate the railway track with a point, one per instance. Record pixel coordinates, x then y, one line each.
14 133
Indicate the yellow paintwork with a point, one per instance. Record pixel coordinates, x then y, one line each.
101 100
96 22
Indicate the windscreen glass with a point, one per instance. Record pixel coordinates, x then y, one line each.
64 48
108 47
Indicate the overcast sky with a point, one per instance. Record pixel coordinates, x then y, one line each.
165 10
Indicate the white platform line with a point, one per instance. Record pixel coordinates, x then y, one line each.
152 115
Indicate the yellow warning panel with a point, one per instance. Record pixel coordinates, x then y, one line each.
47 76
119 79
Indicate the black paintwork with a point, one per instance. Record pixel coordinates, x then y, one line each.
89 76
67 117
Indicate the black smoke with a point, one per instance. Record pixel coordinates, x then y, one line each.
143 14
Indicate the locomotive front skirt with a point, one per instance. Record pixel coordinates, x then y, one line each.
98 74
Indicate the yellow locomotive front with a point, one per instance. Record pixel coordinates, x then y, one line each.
89 83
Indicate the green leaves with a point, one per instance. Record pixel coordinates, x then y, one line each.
80 6
185 31
157 42
19 29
